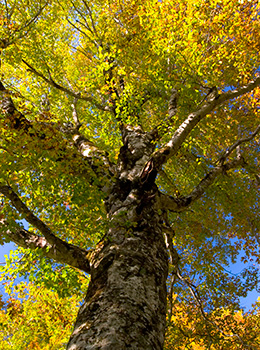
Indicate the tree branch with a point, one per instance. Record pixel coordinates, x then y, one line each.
31 20
172 110
51 82
180 135
91 18
86 147
75 113
4 43
196 296
16 119
73 256
230 149
97 159
173 260
60 249
181 203
8 192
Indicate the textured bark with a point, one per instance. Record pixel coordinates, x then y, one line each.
125 306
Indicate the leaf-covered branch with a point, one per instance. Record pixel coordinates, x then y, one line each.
21 30
97 159
8 192
178 204
180 135
13 117
63 249
172 110
230 149
51 82
196 296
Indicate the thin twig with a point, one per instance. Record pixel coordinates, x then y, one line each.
237 144
51 82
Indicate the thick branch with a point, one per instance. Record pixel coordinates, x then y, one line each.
96 158
212 175
8 192
61 248
172 110
73 256
182 202
180 135
16 119
75 114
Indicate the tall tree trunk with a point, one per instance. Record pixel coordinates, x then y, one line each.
125 305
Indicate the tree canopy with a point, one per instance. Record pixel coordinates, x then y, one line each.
101 98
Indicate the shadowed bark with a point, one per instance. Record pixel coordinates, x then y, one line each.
125 305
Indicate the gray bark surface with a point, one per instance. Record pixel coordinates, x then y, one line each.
125 306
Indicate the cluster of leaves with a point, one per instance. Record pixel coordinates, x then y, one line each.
222 328
33 266
36 318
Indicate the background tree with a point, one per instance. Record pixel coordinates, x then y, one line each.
38 318
224 328
129 137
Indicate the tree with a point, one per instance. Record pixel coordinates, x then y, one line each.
129 143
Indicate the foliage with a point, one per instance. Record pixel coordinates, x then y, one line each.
41 271
72 68
36 318
220 329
